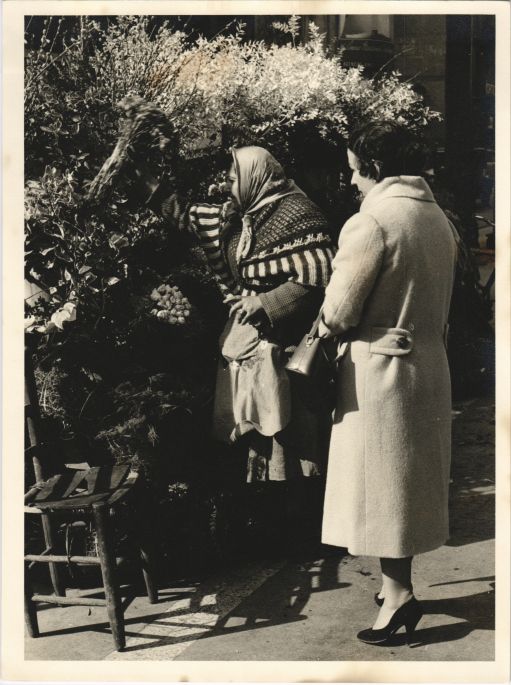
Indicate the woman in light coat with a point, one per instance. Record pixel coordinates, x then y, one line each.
388 301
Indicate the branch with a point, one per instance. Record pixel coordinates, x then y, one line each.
34 76
403 52
84 404
192 92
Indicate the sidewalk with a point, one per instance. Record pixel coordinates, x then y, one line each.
311 608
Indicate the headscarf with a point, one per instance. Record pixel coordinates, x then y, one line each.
261 180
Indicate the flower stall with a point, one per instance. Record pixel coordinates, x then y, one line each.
125 336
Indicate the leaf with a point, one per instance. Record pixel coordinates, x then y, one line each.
113 280
46 250
117 241
64 314
63 256
92 375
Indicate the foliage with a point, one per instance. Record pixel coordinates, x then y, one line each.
231 90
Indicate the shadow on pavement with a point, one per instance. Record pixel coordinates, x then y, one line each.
478 610
466 580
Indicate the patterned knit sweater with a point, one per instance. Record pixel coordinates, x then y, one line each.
291 255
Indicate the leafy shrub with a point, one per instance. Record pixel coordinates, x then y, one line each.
227 90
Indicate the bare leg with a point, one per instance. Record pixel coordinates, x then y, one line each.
397 587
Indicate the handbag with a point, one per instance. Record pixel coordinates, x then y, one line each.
310 358
313 370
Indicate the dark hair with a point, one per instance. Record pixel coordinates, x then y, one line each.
387 149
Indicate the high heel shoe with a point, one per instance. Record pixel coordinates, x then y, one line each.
379 600
408 615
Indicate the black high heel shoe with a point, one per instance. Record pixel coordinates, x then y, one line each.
379 600
408 615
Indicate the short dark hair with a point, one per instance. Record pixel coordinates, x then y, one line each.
387 148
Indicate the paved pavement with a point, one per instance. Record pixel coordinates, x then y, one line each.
310 608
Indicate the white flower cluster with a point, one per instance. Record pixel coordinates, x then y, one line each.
172 306
64 314
252 87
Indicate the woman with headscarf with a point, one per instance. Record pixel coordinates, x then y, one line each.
271 253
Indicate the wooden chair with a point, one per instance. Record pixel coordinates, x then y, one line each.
78 494
94 493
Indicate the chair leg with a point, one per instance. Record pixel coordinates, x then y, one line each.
55 575
109 571
32 425
142 528
148 571
30 609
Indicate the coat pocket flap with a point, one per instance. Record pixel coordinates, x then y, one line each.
392 341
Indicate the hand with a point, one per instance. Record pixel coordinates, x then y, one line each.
324 331
249 310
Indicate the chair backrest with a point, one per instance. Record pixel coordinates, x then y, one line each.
98 483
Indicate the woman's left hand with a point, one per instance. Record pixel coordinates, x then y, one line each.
249 310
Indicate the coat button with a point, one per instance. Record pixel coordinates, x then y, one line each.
402 342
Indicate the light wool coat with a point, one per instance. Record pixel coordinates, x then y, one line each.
389 295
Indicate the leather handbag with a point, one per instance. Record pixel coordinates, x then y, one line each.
310 358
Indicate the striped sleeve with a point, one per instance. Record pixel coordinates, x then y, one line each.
310 267
205 221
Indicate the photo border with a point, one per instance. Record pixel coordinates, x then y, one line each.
13 664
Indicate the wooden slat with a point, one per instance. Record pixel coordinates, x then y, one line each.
103 478
77 478
82 466
55 487
92 479
76 502
121 492
29 496
63 559
48 486
70 601
120 473
103 482
30 509
43 554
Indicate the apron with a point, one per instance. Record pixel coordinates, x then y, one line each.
252 389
